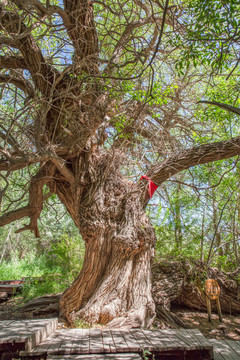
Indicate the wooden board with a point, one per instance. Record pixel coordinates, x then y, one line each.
223 350
25 334
132 344
29 332
97 357
95 341
108 343
119 341
98 341
64 342
169 342
143 341
11 288
76 344
235 346
155 340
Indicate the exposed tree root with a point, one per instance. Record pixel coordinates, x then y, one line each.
42 305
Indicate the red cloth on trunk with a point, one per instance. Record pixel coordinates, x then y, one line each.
151 186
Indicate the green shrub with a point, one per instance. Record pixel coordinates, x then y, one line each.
48 273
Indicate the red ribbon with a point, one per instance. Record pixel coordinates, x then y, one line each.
151 186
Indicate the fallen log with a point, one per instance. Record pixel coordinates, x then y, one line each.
183 284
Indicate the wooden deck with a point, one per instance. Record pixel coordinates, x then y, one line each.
225 349
25 334
41 338
99 342
98 357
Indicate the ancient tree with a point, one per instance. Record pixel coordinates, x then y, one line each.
85 95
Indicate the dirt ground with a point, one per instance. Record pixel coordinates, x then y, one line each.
229 328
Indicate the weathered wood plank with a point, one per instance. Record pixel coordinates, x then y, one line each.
85 341
132 344
203 342
108 343
142 340
68 336
95 341
222 348
127 356
39 334
53 348
119 341
76 345
154 338
181 341
169 340
42 349
235 345
188 339
195 338
30 331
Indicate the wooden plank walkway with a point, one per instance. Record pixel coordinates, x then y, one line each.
42 338
225 349
26 332
67 342
97 357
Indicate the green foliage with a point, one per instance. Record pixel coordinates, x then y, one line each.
81 324
68 252
50 272
45 284
30 266
211 37
147 355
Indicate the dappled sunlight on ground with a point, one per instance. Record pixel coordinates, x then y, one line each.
229 328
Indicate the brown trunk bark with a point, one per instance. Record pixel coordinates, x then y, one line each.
113 288
114 285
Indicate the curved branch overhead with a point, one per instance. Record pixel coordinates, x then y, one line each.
198 155
227 107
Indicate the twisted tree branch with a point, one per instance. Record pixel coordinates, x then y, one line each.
42 73
12 62
22 84
198 155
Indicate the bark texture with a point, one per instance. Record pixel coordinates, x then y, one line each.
114 286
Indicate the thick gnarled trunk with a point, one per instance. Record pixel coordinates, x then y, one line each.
115 291
114 285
